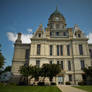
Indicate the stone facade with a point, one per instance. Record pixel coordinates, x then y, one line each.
67 47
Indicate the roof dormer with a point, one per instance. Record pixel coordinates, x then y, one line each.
40 32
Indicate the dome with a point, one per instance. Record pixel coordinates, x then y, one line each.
56 13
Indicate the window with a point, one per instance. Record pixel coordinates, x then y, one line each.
39 35
51 47
38 49
84 77
80 49
79 35
50 33
57 33
69 65
27 54
70 77
58 62
68 50
61 50
38 63
51 25
64 33
62 65
90 51
57 50
50 62
82 64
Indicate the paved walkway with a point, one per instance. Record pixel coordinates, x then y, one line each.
65 88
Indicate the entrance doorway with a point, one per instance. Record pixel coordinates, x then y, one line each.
60 80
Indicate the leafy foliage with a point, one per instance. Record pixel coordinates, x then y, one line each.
47 70
36 72
50 70
1 58
26 70
8 68
88 72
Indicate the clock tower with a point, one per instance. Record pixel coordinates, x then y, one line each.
57 25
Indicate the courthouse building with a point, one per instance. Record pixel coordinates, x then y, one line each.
56 44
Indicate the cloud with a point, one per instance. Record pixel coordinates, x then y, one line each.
29 30
90 37
26 38
13 36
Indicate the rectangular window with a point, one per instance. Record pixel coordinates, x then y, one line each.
51 48
84 77
58 62
50 33
39 35
68 50
69 65
38 63
79 35
38 49
62 65
27 54
80 49
61 50
57 50
50 62
90 51
70 77
82 64
64 33
57 33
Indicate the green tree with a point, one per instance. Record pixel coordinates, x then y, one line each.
50 70
36 72
1 58
26 71
88 73
8 68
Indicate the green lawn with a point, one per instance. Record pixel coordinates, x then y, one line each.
29 89
87 88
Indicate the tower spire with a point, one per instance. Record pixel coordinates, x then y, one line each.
56 8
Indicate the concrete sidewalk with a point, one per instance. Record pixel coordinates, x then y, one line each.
65 88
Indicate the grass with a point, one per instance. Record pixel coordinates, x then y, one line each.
29 89
87 88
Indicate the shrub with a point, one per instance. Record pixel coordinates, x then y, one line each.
53 83
82 83
12 84
41 83
3 84
22 83
68 83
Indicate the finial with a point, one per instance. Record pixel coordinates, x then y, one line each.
56 8
40 25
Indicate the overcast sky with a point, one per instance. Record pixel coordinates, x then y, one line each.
26 15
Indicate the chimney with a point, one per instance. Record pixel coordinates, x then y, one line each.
18 41
19 36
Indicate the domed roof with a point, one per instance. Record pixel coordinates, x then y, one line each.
56 13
